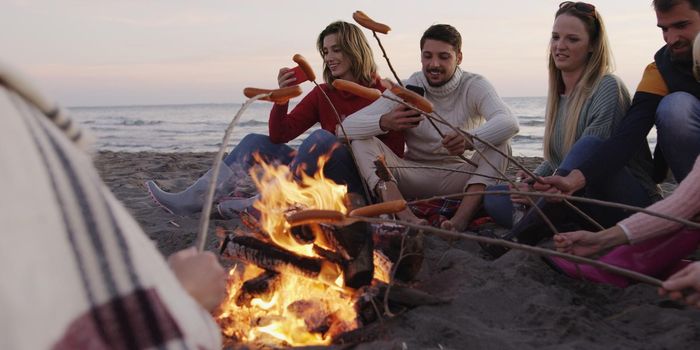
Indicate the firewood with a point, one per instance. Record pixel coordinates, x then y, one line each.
258 287
355 242
388 239
270 257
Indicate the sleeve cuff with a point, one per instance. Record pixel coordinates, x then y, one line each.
626 231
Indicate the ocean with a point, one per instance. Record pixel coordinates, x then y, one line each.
200 127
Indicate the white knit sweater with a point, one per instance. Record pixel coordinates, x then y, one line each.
467 101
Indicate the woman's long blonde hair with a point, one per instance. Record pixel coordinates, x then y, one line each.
354 45
599 64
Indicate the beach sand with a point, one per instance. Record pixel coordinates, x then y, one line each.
514 302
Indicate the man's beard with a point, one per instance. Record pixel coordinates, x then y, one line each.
439 71
682 57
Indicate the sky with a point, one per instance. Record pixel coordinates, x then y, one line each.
110 53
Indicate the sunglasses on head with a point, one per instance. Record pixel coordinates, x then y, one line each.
579 6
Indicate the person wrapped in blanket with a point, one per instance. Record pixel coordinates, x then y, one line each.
78 271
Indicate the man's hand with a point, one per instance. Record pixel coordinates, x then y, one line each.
400 118
566 184
201 275
585 243
687 278
455 143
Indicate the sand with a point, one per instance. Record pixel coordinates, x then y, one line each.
515 302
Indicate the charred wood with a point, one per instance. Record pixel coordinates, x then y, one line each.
261 286
388 239
355 240
270 257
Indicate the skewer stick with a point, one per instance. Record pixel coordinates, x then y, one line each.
685 222
426 108
209 199
530 249
306 67
448 169
450 235
387 59
368 197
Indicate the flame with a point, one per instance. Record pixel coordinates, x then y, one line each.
278 319
279 193
300 311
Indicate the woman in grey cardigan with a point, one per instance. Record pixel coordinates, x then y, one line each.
585 102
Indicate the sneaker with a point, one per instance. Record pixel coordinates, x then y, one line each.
232 207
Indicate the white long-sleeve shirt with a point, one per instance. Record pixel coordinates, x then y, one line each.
467 101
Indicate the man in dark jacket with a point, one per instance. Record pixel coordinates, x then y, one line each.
668 96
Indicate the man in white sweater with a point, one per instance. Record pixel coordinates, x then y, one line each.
465 100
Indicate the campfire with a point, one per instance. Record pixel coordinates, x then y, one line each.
303 284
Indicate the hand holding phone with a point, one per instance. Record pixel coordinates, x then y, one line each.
290 77
299 75
420 91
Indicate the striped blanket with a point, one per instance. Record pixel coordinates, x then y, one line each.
77 270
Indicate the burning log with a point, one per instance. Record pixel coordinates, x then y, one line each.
270 257
304 234
355 242
388 239
258 287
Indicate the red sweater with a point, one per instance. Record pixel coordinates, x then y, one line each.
314 108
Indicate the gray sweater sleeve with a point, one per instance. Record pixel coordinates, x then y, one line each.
608 106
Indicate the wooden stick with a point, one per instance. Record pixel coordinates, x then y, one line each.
572 198
448 169
522 167
368 197
387 58
468 137
582 214
218 159
462 157
530 249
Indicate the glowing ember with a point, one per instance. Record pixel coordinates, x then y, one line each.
299 312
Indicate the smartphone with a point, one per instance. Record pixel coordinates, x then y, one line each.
420 91
299 75
417 89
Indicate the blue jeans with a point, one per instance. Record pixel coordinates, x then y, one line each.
340 167
621 187
678 129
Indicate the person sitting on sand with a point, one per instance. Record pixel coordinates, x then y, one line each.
667 96
660 255
585 102
346 55
647 244
78 271
464 99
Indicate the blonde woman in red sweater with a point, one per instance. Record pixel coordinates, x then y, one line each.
346 55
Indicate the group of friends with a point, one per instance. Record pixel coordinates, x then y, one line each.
594 143
594 146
